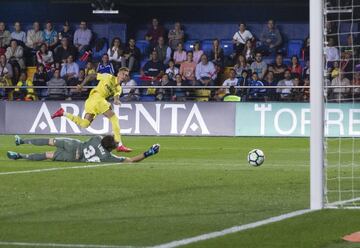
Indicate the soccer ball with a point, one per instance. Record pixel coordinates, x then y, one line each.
256 157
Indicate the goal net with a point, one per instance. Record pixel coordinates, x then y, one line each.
342 103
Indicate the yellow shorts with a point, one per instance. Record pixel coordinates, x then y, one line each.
96 104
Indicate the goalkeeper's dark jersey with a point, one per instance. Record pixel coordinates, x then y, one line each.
92 151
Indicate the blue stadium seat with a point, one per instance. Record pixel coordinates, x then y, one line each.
206 46
189 45
294 48
143 45
227 46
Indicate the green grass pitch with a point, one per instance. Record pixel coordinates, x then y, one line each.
193 186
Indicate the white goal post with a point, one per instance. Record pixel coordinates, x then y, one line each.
316 105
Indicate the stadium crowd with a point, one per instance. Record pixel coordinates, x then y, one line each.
64 58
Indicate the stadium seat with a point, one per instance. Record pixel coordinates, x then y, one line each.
206 46
227 46
189 45
143 45
294 48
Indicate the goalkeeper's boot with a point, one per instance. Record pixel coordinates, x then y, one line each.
18 140
123 148
13 155
152 150
58 113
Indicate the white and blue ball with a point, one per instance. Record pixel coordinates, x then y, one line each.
256 157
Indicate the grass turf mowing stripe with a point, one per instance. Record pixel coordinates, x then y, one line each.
233 229
62 245
58 168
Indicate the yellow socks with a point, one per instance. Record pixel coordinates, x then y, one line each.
78 120
116 128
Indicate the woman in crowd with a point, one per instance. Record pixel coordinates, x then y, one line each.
45 56
197 53
179 55
116 52
217 53
241 65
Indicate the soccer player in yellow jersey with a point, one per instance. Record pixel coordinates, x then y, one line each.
97 104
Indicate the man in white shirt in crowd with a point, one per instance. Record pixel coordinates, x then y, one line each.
240 38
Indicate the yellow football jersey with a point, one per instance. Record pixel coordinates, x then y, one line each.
107 86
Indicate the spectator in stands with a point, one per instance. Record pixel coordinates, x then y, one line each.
297 93
176 36
305 51
132 56
231 81
259 66
5 36
350 47
15 54
306 70
18 34
341 93
285 94
270 38
163 51
70 71
205 72
56 81
197 53
217 53
97 52
279 68
63 51
89 69
154 32
306 91
244 80
295 67
6 75
270 81
180 94
249 51
82 38
50 36
232 97
153 68
335 71
105 66
39 79
116 53
256 94
347 65
22 90
129 95
34 37
187 69
172 70
241 37
179 55
331 53
356 82
45 56
165 94
74 93
66 33
241 65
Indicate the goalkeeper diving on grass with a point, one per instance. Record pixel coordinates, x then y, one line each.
97 104
96 149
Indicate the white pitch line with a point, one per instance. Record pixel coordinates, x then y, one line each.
234 229
337 203
57 168
62 245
